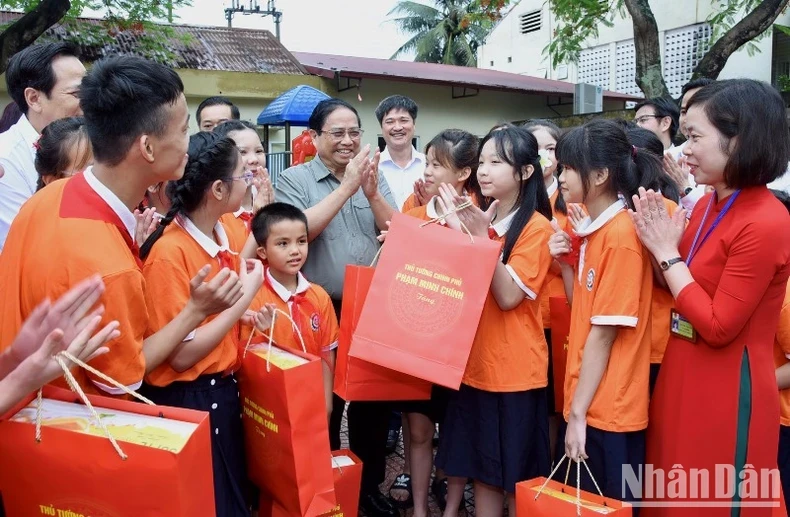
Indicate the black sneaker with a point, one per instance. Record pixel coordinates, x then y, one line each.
375 504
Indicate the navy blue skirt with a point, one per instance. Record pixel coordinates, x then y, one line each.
219 396
496 438
608 453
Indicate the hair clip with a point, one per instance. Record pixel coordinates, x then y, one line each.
37 144
633 152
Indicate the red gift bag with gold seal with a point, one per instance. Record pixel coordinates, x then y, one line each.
425 301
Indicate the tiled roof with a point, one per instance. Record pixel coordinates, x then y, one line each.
208 48
328 66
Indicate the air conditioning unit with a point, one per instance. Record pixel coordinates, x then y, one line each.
587 98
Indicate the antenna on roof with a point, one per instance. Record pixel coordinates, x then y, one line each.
237 7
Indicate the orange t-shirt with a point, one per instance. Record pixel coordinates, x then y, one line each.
663 303
316 318
509 352
174 260
62 235
237 228
781 351
410 203
553 286
613 286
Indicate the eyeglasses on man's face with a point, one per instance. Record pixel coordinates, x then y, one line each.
644 118
337 134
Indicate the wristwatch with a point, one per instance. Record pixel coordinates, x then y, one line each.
666 264
686 191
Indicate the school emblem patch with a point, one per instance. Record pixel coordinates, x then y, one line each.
590 279
314 322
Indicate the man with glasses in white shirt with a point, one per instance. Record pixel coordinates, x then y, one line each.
401 164
44 81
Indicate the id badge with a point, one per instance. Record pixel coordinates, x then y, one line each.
681 327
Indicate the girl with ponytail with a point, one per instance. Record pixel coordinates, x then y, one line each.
199 373
607 369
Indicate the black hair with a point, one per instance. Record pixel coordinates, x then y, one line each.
211 158
11 115
754 112
325 108
518 148
782 196
645 139
396 102
218 101
603 144
230 126
457 149
272 214
664 107
124 97
695 84
52 155
31 67
555 132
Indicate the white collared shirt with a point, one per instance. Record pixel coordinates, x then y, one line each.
401 180
555 184
109 197
18 184
782 182
587 227
302 286
208 244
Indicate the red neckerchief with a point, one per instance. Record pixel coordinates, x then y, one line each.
80 201
572 258
302 312
226 259
247 218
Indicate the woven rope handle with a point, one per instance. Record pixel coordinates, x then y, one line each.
107 378
271 337
376 257
442 218
75 387
578 480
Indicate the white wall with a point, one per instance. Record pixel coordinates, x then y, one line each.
514 52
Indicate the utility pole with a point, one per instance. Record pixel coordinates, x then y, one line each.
254 8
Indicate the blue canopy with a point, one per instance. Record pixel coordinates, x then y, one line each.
294 106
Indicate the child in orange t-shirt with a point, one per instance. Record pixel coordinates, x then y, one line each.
280 230
199 373
547 134
451 159
496 427
259 192
782 361
608 364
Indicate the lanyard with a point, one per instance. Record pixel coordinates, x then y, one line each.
694 246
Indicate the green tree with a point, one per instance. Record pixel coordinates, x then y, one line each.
448 32
578 22
130 16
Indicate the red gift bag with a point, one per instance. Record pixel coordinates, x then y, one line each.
347 471
356 379
541 497
425 301
75 470
560 330
286 434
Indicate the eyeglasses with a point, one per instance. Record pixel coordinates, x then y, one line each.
354 133
247 177
644 118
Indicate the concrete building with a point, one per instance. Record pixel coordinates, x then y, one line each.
516 45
